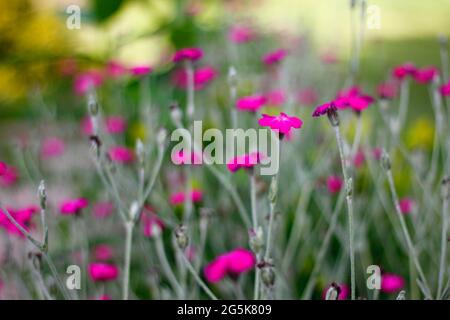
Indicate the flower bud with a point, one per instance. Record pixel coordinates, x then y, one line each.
256 240
268 276
333 292
176 115
385 161
401 295
161 137
333 116
181 236
349 187
134 211
42 194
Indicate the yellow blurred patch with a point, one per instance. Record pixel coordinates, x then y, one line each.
138 131
420 134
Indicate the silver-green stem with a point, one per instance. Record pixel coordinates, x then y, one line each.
443 247
129 226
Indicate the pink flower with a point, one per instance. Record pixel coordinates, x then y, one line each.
179 197
103 209
121 154
141 70
9 176
426 75
191 54
334 184
251 103
202 76
274 57
324 109
282 122
52 147
115 69
387 90
343 294
84 81
73 206
307 96
391 283
276 98
407 69
182 157
3 168
246 161
103 271
150 220
103 297
103 252
22 216
445 89
353 98
376 153
241 34
114 125
232 263
406 205
358 159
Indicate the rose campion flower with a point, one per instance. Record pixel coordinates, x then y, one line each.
334 184
103 252
103 209
52 147
202 77
275 98
241 34
326 108
445 89
391 283
114 69
283 123
425 75
406 205
191 54
179 197
387 90
103 272
402 71
343 294
121 154
251 103
85 80
353 98
358 159
274 57
9 176
231 264
22 216
140 70
246 161
73 206
307 96
3 168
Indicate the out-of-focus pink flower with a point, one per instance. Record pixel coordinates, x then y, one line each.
324 109
73 206
402 71
103 297
358 159
103 252
329 58
202 76
114 125
84 81
391 283
426 75
22 216
140 71
103 271
445 89
3 168
115 69
191 54
182 157
9 176
334 184
376 153
251 103
52 147
353 98
387 90
241 34
246 161
276 98
149 221
178 198
283 123
121 154
343 294
307 96
103 209
274 57
232 263
406 205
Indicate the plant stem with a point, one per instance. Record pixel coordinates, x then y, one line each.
166 266
129 226
269 232
443 247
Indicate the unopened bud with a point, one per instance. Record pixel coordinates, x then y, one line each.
161 137
181 236
349 187
333 116
401 295
333 292
176 115
42 194
268 276
134 211
385 161
256 240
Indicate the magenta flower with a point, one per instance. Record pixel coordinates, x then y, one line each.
406 205
149 221
325 108
114 69
52 148
202 77
179 197
251 103
191 54
334 184
426 75
358 159
307 96
22 216
377 152
246 161
140 71
73 206
103 252
241 34
121 154
276 98
391 283
3 168
84 81
353 98
182 157
103 209
283 123
274 57
9 176
343 294
102 272
445 89
232 263
387 90
407 69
